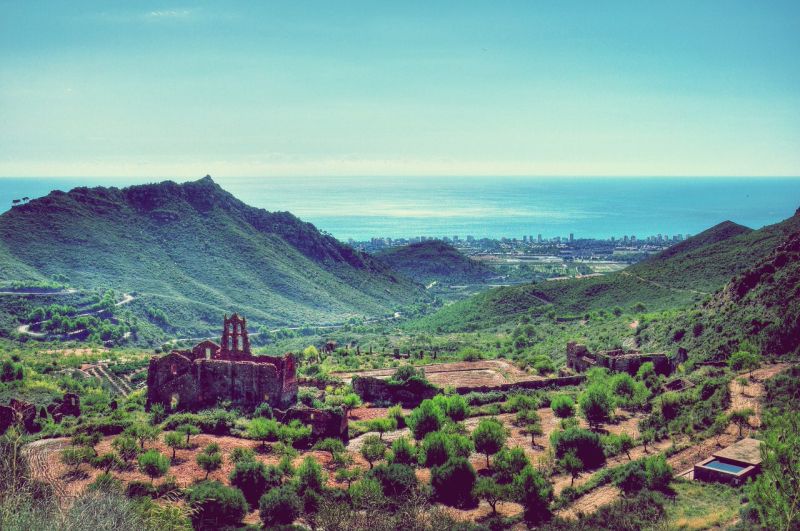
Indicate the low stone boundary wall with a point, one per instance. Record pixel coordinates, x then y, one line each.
559 381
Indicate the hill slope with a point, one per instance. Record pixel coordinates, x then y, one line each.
196 251
434 260
676 278
761 305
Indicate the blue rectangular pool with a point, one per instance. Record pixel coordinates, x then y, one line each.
725 467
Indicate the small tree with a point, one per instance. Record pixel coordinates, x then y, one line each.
188 430
210 459
174 440
489 437
350 402
372 449
215 506
154 464
572 465
349 475
720 426
330 445
262 429
509 462
425 418
143 433
126 447
488 489
744 361
626 444
75 456
647 437
741 417
106 462
596 405
530 422
382 425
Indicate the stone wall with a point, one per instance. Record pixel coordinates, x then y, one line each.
579 359
409 394
324 423
558 381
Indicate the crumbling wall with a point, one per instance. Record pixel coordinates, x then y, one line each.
409 394
324 423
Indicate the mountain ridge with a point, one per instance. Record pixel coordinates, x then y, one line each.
196 243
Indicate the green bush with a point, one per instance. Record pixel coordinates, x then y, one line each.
596 404
508 463
425 418
563 406
534 493
489 437
453 482
279 506
397 481
254 478
403 452
586 444
153 463
454 406
215 506
310 476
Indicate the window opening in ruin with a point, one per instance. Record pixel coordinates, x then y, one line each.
174 400
208 353
174 369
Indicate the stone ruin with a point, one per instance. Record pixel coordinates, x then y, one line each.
580 359
210 373
24 413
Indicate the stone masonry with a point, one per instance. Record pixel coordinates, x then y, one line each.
210 373
579 359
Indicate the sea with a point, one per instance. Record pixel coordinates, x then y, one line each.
361 208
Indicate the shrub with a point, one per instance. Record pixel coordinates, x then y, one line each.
535 493
397 481
596 405
140 489
438 447
563 406
263 410
454 406
153 463
242 453
403 452
254 478
489 437
650 472
509 462
215 505
372 449
453 482
105 482
210 459
309 476
330 445
585 443
279 506
396 412
470 354
382 425
425 418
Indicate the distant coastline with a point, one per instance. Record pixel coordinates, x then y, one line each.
491 207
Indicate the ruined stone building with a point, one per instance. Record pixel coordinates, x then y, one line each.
210 373
579 359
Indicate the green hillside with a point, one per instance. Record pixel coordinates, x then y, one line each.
760 306
434 260
195 251
676 278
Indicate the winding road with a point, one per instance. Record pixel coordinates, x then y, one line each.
127 298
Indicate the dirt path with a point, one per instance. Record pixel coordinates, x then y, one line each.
40 455
662 286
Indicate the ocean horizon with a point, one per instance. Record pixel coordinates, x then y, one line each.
405 207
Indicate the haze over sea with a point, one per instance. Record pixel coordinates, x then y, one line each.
361 208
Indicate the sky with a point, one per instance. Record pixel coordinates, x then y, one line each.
291 88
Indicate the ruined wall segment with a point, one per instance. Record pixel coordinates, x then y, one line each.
210 373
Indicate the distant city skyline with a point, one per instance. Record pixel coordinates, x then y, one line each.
100 89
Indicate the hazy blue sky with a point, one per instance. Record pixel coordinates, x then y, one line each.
393 88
